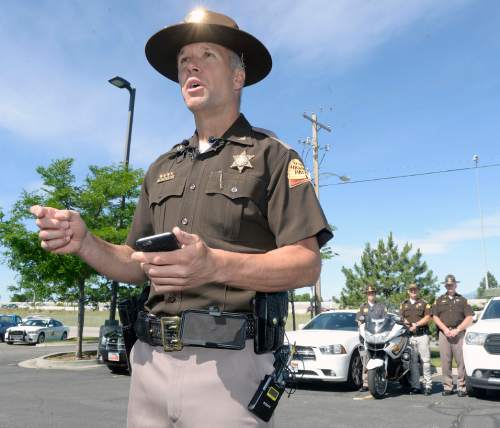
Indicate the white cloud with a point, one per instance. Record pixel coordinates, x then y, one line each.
342 31
441 241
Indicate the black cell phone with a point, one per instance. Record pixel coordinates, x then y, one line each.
161 242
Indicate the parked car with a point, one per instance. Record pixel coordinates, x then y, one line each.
7 321
112 348
482 351
36 330
9 306
326 349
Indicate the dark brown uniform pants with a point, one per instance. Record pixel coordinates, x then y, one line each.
450 347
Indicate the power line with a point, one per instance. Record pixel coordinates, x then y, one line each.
394 177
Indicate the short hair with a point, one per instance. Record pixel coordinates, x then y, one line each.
235 61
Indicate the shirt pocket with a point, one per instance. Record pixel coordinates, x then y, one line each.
233 202
165 201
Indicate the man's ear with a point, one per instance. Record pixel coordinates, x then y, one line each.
239 79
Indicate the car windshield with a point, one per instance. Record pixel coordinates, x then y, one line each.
492 311
345 321
36 323
5 319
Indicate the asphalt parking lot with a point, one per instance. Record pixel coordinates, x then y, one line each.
96 398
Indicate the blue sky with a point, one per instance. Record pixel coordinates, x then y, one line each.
407 86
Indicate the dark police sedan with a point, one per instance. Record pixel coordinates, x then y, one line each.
7 321
112 348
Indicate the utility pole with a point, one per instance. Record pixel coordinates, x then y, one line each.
316 126
475 158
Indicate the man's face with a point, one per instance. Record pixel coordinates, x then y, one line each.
371 296
207 81
451 287
413 293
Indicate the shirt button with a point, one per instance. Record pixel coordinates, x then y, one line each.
234 189
193 186
184 221
171 299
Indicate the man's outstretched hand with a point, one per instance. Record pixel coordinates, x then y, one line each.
61 231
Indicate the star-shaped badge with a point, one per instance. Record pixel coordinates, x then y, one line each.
242 161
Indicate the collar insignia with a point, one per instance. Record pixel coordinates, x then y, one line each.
242 161
165 177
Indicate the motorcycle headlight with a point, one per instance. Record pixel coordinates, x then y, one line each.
104 340
376 338
475 338
332 349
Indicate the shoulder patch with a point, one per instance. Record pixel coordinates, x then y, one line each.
270 134
297 173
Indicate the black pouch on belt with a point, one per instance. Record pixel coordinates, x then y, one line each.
212 329
271 312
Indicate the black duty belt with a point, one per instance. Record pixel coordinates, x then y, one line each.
209 329
420 331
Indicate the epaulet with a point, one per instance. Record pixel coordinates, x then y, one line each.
269 134
176 148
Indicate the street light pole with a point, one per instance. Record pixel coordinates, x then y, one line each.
121 83
475 158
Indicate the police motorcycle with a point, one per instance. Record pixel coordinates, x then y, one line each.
385 339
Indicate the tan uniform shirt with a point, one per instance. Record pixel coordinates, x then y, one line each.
452 311
248 193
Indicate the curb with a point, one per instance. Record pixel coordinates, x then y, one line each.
44 363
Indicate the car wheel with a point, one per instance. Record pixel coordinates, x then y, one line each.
64 336
355 375
41 338
9 343
474 392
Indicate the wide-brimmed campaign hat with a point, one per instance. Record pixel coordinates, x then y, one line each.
203 25
412 286
450 279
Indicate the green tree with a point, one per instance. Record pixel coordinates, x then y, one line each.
99 201
390 270
492 283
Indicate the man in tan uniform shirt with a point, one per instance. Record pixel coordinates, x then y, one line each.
241 205
452 315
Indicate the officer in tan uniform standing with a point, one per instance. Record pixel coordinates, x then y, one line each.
245 213
364 310
452 315
416 314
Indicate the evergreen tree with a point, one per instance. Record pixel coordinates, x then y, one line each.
492 283
390 271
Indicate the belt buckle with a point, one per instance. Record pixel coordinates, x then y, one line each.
170 333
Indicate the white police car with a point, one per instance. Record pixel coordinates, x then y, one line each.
482 351
36 330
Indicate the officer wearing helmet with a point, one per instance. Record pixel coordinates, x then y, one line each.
244 211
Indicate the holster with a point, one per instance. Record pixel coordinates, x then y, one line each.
128 309
271 312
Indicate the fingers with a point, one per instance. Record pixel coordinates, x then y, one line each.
185 238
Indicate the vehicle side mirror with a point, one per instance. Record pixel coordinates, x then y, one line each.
301 326
476 316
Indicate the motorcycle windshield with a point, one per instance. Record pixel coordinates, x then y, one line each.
377 325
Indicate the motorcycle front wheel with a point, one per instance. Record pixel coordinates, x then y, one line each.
377 382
